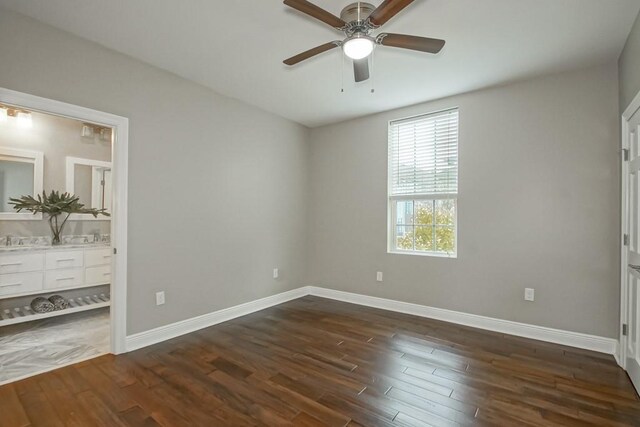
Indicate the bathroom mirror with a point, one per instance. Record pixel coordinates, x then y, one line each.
21 174
90 180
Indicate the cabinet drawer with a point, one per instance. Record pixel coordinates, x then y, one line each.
94 257
21 263
13 284
64 278
98 275
64 259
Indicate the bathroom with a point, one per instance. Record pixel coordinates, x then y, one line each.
55 248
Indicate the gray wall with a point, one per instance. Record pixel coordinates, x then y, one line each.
538 206
56 137
217 189
220 192
629 66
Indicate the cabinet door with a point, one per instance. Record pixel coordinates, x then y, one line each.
64 278
98 275
21 263
95 257
20 283
64 259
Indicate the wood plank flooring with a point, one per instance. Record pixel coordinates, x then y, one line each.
317 362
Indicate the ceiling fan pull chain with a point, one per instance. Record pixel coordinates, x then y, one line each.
342 73
373 71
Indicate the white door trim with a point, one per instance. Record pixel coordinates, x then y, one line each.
120 160
624 198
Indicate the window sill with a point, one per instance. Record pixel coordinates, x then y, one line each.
427 254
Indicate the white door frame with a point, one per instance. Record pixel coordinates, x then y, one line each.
621 354
120 161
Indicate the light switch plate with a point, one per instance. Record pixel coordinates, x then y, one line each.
529 294
379 276
276 273
160 298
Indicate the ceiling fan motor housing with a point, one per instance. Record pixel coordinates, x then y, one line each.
356 12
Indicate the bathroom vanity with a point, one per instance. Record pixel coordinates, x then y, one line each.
46 270
30 266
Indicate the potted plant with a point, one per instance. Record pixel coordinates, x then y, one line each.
55 205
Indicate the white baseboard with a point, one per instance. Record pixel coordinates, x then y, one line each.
617 357
166 332
557 336
633 369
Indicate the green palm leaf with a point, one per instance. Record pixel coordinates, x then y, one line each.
54 205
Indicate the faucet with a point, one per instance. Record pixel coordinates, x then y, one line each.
8 241
96 237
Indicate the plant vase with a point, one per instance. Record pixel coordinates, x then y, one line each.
56 229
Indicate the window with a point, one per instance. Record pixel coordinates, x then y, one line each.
423 184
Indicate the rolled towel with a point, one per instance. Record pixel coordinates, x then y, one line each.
42 305
59 303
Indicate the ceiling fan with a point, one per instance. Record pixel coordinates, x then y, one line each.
358 21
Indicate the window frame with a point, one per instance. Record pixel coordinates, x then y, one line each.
392 203
393 199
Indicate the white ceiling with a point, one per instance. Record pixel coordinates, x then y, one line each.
237 47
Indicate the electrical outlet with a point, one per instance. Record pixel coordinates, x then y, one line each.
529 294
276 273
379 276
160 298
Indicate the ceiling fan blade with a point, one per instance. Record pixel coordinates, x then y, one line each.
423 44
361 69
387 10
311 52
316 12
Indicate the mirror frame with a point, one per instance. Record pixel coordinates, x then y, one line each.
70 184
36 158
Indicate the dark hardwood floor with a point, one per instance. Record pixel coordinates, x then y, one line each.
313 362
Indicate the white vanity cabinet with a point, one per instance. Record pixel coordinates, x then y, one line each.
97 266
21 263
55 260
40 270
63 279
20 283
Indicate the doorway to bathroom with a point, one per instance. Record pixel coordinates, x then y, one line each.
63 211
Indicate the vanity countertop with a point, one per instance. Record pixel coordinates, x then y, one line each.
13 249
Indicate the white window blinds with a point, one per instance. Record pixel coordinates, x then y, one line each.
423 154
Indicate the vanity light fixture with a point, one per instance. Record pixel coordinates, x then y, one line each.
89 130
105 134
24 119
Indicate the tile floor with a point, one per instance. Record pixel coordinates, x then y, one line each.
41 345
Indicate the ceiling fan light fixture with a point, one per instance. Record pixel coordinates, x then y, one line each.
358 46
